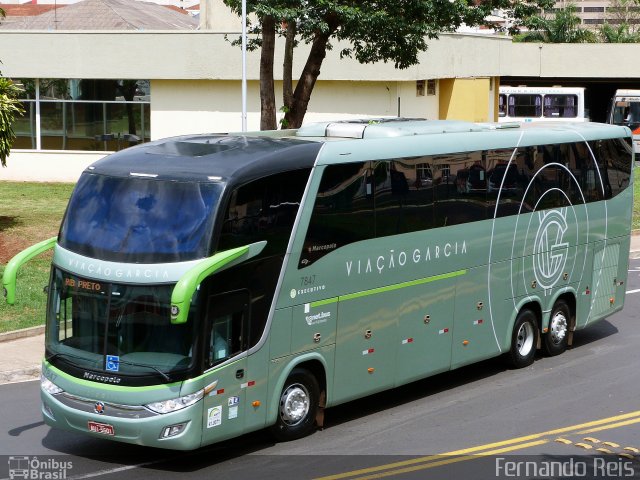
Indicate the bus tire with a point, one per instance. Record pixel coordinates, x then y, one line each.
524 340
297 406
554 342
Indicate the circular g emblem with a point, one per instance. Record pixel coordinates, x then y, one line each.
550 251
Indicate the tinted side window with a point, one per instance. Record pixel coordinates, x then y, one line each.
376 199
465 198
585 170
343 211
403 196
264 209
552 186
503 179
614 158
525 105
502 105
227 316
560 106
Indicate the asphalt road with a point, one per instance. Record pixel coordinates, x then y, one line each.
482 421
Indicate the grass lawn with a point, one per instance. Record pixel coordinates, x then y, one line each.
29 213
32 212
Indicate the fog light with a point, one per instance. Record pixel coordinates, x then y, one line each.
173 430
48 411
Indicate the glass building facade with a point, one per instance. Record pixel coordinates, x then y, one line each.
83 114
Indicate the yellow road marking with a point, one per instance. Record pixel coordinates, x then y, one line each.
512 444
632 449
611 444
564 440
586 446
604 450
448 461
613 425
591 439
627 455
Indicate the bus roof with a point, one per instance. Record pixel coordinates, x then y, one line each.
239 158
524 89
627 93
210 157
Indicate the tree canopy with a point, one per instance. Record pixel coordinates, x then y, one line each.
563 27
620 25
10 107
373 31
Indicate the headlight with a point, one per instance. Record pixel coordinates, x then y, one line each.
49 387
175 404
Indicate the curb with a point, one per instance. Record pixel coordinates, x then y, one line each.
22 375
23 333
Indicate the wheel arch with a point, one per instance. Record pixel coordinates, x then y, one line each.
528 303
314 363
569 297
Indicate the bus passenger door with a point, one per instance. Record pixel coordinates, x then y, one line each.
226 330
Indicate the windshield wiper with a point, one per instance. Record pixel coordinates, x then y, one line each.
56 355
124 362
160 372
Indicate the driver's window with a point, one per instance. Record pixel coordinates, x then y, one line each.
228 314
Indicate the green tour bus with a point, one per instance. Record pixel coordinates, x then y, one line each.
207 286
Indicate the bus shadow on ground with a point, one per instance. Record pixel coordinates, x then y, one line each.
92 454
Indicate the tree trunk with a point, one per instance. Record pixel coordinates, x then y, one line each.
287 68
267 90
294 117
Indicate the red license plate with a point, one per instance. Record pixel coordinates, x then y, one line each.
102 428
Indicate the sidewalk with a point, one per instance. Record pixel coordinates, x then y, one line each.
21 353
20 357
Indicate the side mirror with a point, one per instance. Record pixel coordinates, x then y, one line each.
190 281
11 271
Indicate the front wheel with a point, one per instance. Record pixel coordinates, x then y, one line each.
297 407
523 340
555 340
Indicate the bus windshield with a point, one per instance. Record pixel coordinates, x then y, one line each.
134 220
116 329
627 113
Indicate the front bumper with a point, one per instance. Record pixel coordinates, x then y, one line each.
129 424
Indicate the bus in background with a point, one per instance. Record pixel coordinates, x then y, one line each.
625 110
207 286
532 104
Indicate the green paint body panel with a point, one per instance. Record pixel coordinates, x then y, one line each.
380 313
10 273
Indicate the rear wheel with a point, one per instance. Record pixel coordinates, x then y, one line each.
523 340
555 340
297 407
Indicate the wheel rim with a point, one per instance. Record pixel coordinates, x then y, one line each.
524 339
558 328
294 404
